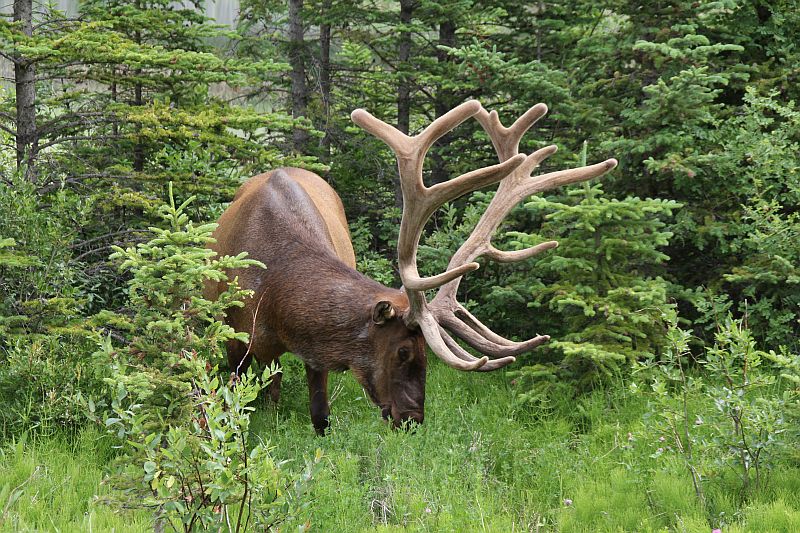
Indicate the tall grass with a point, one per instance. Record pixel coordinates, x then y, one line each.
477 464
51 485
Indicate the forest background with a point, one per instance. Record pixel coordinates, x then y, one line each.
673 299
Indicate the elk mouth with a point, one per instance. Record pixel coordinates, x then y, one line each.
406 420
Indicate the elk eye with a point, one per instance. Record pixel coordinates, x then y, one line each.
403 354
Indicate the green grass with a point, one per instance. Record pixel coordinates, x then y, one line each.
51 485
477 464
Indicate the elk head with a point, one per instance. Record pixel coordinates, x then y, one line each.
442 318
398 380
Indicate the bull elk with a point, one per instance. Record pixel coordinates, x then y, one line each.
311 301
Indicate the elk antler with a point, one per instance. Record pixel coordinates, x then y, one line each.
419 203
517 186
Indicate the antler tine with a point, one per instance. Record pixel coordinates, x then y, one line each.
447 122
489 365
417 147
399 142
471 181
514 188
439 343
551 180
482 343
518 255
506 140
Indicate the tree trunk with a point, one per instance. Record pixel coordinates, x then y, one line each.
445 100
25 84
138 148
403 80
325 80
298 75
138 100
115 126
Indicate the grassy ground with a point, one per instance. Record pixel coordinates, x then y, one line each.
477 464
51 484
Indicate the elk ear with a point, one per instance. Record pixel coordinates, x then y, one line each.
382 312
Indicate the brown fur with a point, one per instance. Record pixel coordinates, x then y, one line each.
311 301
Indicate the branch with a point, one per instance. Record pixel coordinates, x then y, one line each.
77 138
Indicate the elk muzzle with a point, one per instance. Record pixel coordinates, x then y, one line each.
404 420
408 411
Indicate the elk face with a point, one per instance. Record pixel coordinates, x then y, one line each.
397 383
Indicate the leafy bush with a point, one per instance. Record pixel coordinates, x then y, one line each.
761 146
45 359
184 427
741 423
42 284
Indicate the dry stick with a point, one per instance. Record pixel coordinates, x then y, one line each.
246 484
252 334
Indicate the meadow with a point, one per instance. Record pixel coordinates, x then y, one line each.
476 464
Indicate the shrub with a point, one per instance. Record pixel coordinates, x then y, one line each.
44 355
732 417
42 290
183 427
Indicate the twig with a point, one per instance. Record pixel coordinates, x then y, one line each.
252 334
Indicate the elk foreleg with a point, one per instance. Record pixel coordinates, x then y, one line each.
318 399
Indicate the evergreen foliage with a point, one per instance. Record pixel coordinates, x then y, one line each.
169 325
600 292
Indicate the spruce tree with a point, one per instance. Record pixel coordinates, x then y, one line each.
600 294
